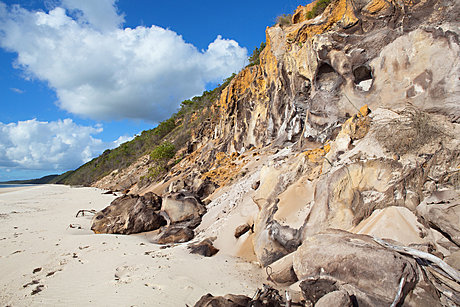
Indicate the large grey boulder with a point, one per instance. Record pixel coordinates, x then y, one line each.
335 299
129 214
342 260
183 206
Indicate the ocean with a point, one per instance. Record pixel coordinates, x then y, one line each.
14 185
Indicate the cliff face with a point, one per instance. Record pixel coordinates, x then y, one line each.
350 121
314 74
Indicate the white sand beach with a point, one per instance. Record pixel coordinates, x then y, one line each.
44 262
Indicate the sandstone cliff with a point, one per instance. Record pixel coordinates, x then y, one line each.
351 122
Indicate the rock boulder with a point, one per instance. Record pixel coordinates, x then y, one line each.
342 258
129 214
442 212
228 300
176 234
204 248
182 206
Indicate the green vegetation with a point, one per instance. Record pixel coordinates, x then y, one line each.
284 20
317 9
42 180
163 152
161 142
165 127
254 59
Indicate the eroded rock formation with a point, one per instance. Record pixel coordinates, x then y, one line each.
130 214
351 121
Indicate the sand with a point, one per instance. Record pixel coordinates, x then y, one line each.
74 267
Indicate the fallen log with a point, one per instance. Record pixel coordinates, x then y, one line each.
92 211
450 271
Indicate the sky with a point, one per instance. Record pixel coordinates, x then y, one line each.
81 76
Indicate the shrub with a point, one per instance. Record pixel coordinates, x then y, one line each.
163 152
407 133
165 127
317 9
284 20
156 171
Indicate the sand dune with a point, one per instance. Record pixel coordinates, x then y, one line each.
45 262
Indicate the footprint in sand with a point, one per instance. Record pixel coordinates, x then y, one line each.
124 274
37 289
154 286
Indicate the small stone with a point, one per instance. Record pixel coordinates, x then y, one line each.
175 234
241 230
204 248
364 110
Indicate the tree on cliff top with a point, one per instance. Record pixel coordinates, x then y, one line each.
254 59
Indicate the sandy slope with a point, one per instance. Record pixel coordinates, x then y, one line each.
78 268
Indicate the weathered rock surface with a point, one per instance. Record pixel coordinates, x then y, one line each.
182 206
338 258
294 145
442 212
395 223
335 299
266 297
314 289
204 248
129 214
241 230
175 234
228 300
282 270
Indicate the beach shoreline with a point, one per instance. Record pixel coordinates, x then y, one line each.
45 261
8 188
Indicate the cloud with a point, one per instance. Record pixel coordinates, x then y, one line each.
102 71
55 146
101 14
122 139
16 90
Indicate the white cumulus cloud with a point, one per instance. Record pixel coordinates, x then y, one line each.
101 14
55 146
102 71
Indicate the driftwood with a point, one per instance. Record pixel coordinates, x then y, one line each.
399 294
269 296
450 271
288 299
92 211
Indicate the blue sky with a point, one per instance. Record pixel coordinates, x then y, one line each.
80 76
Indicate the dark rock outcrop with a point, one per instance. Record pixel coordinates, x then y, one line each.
241 230
204 248
228 300
129 214
176 234
314 289
266 297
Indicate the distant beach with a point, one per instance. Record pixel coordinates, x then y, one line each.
4 188
49 257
